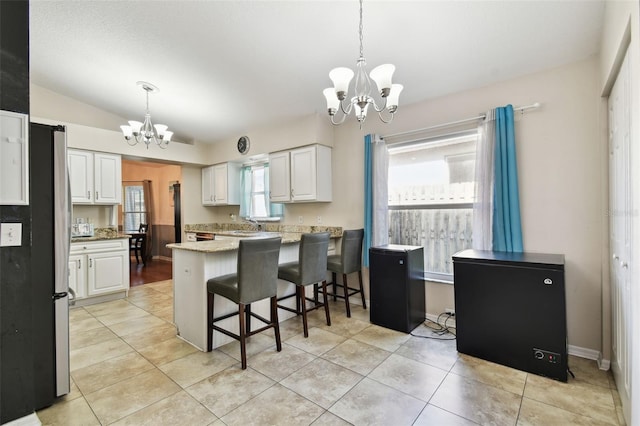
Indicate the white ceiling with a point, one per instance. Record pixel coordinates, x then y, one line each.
224 67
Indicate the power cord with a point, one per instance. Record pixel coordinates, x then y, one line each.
439 329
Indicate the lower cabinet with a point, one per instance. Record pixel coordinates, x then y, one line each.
99 268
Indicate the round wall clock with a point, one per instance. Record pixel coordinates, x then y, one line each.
243 145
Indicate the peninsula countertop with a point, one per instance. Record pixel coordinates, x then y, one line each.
232 243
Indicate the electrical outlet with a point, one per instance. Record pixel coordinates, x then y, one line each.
300 220
450 311
319 219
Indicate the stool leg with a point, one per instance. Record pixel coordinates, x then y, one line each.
364 304
346 294
333 276
247 315
315 293
243 347
274 321
326 304
209 322
303 305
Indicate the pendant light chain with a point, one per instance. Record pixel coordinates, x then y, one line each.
360 29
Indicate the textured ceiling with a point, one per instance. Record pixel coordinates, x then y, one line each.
224 67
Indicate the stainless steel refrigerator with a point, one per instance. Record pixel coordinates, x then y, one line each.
50 241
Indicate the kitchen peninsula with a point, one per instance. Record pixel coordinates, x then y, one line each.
196 262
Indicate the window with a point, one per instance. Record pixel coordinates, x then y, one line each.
255 203
431 190
134 211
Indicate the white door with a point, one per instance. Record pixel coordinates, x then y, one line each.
279 177
620 208
80 165
207 186
107 272
77 275
220 184
108 178
303 174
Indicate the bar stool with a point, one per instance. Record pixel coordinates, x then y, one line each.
348 261
256 279
311 268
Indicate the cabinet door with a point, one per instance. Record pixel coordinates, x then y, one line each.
77 275
207 186
220 184
108 179
14 158
107 272
303 174
279 177
81 176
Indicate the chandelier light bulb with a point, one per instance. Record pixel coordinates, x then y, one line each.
146 132
392 98
341 77
333 103
382 76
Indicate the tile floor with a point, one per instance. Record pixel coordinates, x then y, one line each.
128 368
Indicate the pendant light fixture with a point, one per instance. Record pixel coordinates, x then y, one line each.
147 132
341 77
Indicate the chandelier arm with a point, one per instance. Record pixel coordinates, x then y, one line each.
375 106
391 115
349 107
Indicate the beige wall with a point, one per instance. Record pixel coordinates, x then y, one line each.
559 157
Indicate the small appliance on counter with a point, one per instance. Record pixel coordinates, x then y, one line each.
82 229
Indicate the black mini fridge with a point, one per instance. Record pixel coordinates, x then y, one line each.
396 286
510 309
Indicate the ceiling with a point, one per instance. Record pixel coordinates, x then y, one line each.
226 67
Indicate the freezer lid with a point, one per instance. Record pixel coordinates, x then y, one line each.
393 248
543 260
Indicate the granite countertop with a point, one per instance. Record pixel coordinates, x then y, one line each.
227 228
233 243
100 234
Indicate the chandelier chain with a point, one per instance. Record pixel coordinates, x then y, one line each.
360 30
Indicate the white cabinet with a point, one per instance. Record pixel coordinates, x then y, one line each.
221 184
300 175
96 177
99 267
14 158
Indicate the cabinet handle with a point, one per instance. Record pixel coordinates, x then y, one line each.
292 192
96 195
79 263
625 265
90 263
88 195
615 256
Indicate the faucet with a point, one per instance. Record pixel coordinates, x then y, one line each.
255 223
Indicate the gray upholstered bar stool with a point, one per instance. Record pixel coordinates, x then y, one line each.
256 279
311 268
348 261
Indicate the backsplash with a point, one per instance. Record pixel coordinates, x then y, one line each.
335 231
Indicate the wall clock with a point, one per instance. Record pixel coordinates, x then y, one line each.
243 144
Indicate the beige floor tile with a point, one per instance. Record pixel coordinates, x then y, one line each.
357 356
275 406
97 376
197 366
151 336
165 314
78 313
128 396
434 416
344 326
107 308
534 413
131 313
574 396
322 382
136 325
167 351
177 409
140 291
255 344
359 313
155 302
69 413
586 370
330 419
438 353
83 324
383 338
372 403
290 328
278 365
411 377
89 355
476 401
229 389
163 286
90 337
74 392
318 342
489 373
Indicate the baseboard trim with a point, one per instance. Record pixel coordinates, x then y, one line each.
163 258
603 364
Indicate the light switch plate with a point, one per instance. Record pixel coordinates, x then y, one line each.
10 234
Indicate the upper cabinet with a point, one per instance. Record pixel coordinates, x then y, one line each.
300 175
221 184
95 177
14 159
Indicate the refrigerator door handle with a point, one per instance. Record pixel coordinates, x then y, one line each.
61 295
72 297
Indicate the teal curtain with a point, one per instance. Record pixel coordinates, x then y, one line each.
368 199
274 209
245 188
507 228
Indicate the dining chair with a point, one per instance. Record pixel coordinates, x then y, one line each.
256 279
138 243
311 268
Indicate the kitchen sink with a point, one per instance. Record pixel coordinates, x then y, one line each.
248 233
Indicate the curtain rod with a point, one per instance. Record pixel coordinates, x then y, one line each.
453 123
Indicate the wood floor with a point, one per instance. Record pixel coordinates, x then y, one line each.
153 271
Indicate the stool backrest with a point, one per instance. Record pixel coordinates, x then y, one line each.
313 257
258 268
351 252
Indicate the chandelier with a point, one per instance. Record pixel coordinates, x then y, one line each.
341 77
147 132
